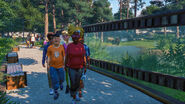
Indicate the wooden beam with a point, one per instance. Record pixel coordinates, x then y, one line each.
172 18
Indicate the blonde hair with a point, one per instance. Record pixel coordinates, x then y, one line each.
65 33
72 29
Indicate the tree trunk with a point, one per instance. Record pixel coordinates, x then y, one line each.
177 32
46 19
62 14
54 21
135 14
102 37
135 8
165 31
76 22
121 9
97 35
128 8
102 33
80 24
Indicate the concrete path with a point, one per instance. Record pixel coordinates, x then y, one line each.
99 89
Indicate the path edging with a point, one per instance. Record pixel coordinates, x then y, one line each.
153 93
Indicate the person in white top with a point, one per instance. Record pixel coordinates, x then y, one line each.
32 40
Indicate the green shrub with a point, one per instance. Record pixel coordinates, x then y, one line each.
4 99
39 43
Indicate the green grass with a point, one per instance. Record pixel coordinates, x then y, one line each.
179 95
140 43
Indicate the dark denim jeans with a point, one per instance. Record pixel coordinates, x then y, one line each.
75 76
57 77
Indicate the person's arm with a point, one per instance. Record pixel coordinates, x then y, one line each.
66 57
44 56
85 61
48 57
88 57
63 54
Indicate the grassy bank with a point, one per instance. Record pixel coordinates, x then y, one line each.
140 43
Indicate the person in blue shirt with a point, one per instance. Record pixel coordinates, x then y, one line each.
50 38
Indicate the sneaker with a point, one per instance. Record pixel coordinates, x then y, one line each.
73 102
56 95
51 91
80 94
61 87
77 97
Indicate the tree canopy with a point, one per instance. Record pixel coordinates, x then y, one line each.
16 15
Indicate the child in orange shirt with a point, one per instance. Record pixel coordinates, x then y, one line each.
56 54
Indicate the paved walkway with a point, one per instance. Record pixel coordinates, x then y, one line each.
99 89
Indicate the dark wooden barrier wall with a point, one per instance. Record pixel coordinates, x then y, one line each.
152 77
171 18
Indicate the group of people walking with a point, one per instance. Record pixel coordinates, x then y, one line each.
66 59
30 41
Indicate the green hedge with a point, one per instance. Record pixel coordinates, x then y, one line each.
6 45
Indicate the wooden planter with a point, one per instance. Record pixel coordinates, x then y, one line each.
15 49
15 81
12 57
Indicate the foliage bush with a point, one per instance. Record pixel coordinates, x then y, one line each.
146 61
4 99
6 45
39 43
171 61
98 51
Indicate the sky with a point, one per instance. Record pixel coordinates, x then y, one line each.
115 5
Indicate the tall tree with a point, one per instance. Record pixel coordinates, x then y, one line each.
46 18
128 8
124 5
137 4
158 3
102 12
120 8
62 13
53 3
6 14
172 3
124 14
78 12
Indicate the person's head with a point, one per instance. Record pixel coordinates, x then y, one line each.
50 37
81 40
76 36
65 36
56 39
